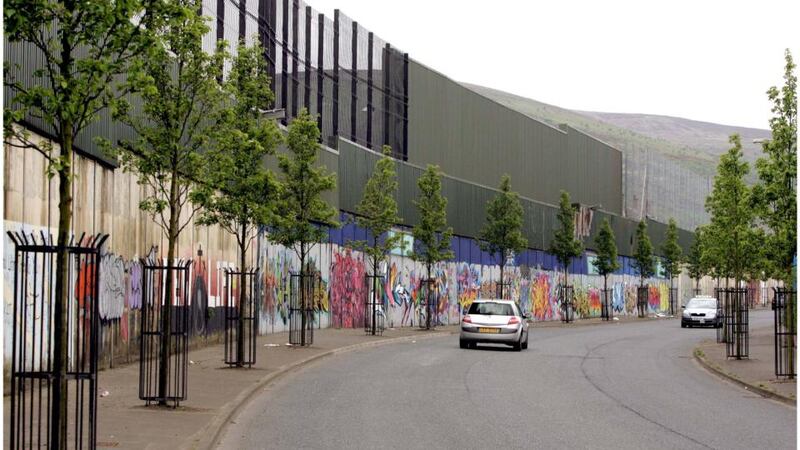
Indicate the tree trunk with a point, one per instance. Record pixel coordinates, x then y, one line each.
166 313
240 341
58 413
502 267
303 287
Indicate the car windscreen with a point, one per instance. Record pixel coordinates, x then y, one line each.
493 309
702 303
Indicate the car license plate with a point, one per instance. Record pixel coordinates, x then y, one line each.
702 320
488 330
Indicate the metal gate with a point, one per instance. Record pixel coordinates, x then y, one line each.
736 322
241 318
374 315
673 301
642 297
54 395
784 304
566 301
302 291
428 301
606 304
164 349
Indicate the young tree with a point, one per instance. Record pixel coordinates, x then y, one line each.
673 253
245 189
643 261
502 234
776 193
81 49
606 262
180 98
302 213
377 211
564 244
431 234
694 261
732 219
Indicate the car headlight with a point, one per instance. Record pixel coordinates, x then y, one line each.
711 315
686 313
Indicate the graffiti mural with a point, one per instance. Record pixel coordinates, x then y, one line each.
347 289
112 287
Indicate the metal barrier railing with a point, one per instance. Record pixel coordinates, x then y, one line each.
54 347
566 302
642 298
606 304
303 288
240 300
428 301
784 304
164 343
374 314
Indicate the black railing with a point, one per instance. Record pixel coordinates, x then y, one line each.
735 331
503 290
722 331
428 301
784 304
566 302
606 304
163 346
642 298
54 396
240 300
374 314
673 301
303 287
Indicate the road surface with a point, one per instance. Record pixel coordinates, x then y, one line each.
615 386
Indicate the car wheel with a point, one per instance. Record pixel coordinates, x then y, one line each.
518 345
463 344
683 325
525 344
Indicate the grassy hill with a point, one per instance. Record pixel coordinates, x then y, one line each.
691 144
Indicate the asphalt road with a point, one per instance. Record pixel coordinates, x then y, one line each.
620 386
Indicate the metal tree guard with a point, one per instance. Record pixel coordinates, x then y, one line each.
374 315
673 301
37 397
428 301
784 304
301 308
503 290
241 318
736 326
722 332
566 301
642 296
165 326
606 307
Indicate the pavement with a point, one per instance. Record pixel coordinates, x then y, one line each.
757 373
215 391
615 386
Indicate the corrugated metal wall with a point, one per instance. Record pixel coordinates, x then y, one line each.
477 139
466 204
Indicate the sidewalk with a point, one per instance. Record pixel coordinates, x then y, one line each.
215 391
757 373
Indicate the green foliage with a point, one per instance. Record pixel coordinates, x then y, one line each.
179 115
82 47
606 262
502 233
302 213
564 244
731 238
775 196
643 262
673 253
432 236
694 260
377 210
245 191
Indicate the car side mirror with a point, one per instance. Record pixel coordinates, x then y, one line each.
683 306
526 315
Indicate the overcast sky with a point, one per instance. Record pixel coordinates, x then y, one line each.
702 60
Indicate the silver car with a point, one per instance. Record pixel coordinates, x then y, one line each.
701 311
494 322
